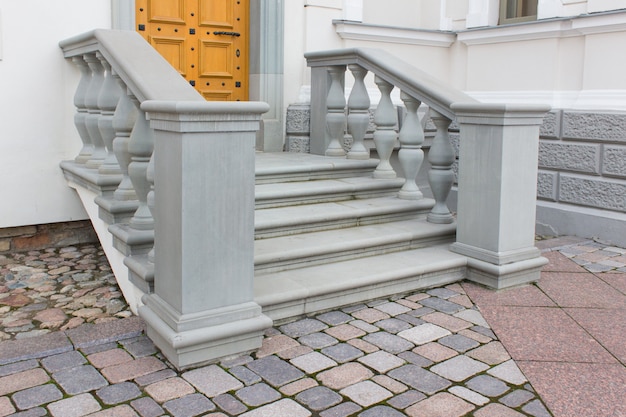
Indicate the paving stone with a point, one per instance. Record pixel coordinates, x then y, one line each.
133 369
492 353
351 309
212 380
390 384
366 393
462 300
345 332
342 352
283 408
441 305
275 371
393 309
319 398
496 410
6 407
469 395
189 406
440 404
344 409
23 380
365 326
318 340
419 312
344 375
476 336
485 331
275 344
119 411
370 315
517 398
416 298
424 333
77 406
393 325
257 394
363 345
413 321
444 293
536 409
33 397
415 359
389 342
334 318
420 379
112 331
472 316
229 404
63 361
236 361
157 376
381 361
459 368
109 358
487 385
140 347
435 352
381 411
313 362
407 303
298 386
302 327
509 372
458 342
294 352
406 399
80 379
147 407
34 348
245 375
32 412
16 367
454 324
169 389
90 350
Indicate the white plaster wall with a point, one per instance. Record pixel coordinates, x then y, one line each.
36 107
605 67
402 13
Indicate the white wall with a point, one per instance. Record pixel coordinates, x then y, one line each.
36 111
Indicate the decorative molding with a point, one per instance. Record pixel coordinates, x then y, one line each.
0 35
381 33
613 100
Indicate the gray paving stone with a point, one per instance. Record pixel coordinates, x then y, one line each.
536 409
469 395
334 318
98 348
365 326
18 367
319 398
302 327
189 406
484 331
441 305
118 393
34 348
237 360
381 411
419 312
342 410
157 376
33 412
76 406
414 321
406 399
140 347
111 331
517 398
257 394
318 340
459 368
487 385
509 372
389 342
366 393
245 375
147 407
283 408
382 361
81 379
424 333
393 309
415 359
313 362
275 371
230 404
342 352
420 379
442 293
63 361
32 397
459 342
351 309
212 380
393 325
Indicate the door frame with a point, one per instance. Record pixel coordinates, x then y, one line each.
266 62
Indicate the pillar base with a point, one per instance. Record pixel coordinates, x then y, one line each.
131 241
141 272
505 276
116 211
495 258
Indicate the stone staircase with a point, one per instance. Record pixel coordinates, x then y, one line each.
328 234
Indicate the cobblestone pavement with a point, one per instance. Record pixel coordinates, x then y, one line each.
429 353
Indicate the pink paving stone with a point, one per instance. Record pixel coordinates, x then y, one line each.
23 380
409 304
456 287
476 336
580 290
370 315
168 389
294 352
393 309
441 404
283 408
579 389
275 344
51 315
133 369
616 280
435 352
381 361
417 297
109 358
390 383
344 375
212 380
447 321
462 300
119 411
345 332
313 362
363 345
77 406
492 353
6 407
366 393
298 386
528 295
497 410
560 263
607 326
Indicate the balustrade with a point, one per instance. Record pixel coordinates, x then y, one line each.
110 94
99 152
81 110
441 175
411 154
358 114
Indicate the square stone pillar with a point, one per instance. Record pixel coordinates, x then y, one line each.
203 304
497 191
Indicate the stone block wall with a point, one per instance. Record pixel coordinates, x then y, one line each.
35 237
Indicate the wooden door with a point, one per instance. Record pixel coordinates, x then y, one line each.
205 40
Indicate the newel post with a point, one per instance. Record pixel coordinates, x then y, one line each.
497 192
203 304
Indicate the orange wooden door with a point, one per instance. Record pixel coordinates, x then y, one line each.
205 40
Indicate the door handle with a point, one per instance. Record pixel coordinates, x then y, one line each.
227 33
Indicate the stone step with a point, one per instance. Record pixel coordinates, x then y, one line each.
283 221
295 293
308 249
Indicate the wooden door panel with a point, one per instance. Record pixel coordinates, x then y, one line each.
173 50
217 13
171 11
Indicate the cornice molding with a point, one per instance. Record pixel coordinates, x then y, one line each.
379 33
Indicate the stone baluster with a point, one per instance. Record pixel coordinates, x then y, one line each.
81 110
441 175
150 202
123 121
358 113
385 134
411 154
93 111
336 112
107 102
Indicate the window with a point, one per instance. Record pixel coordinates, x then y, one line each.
512 11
